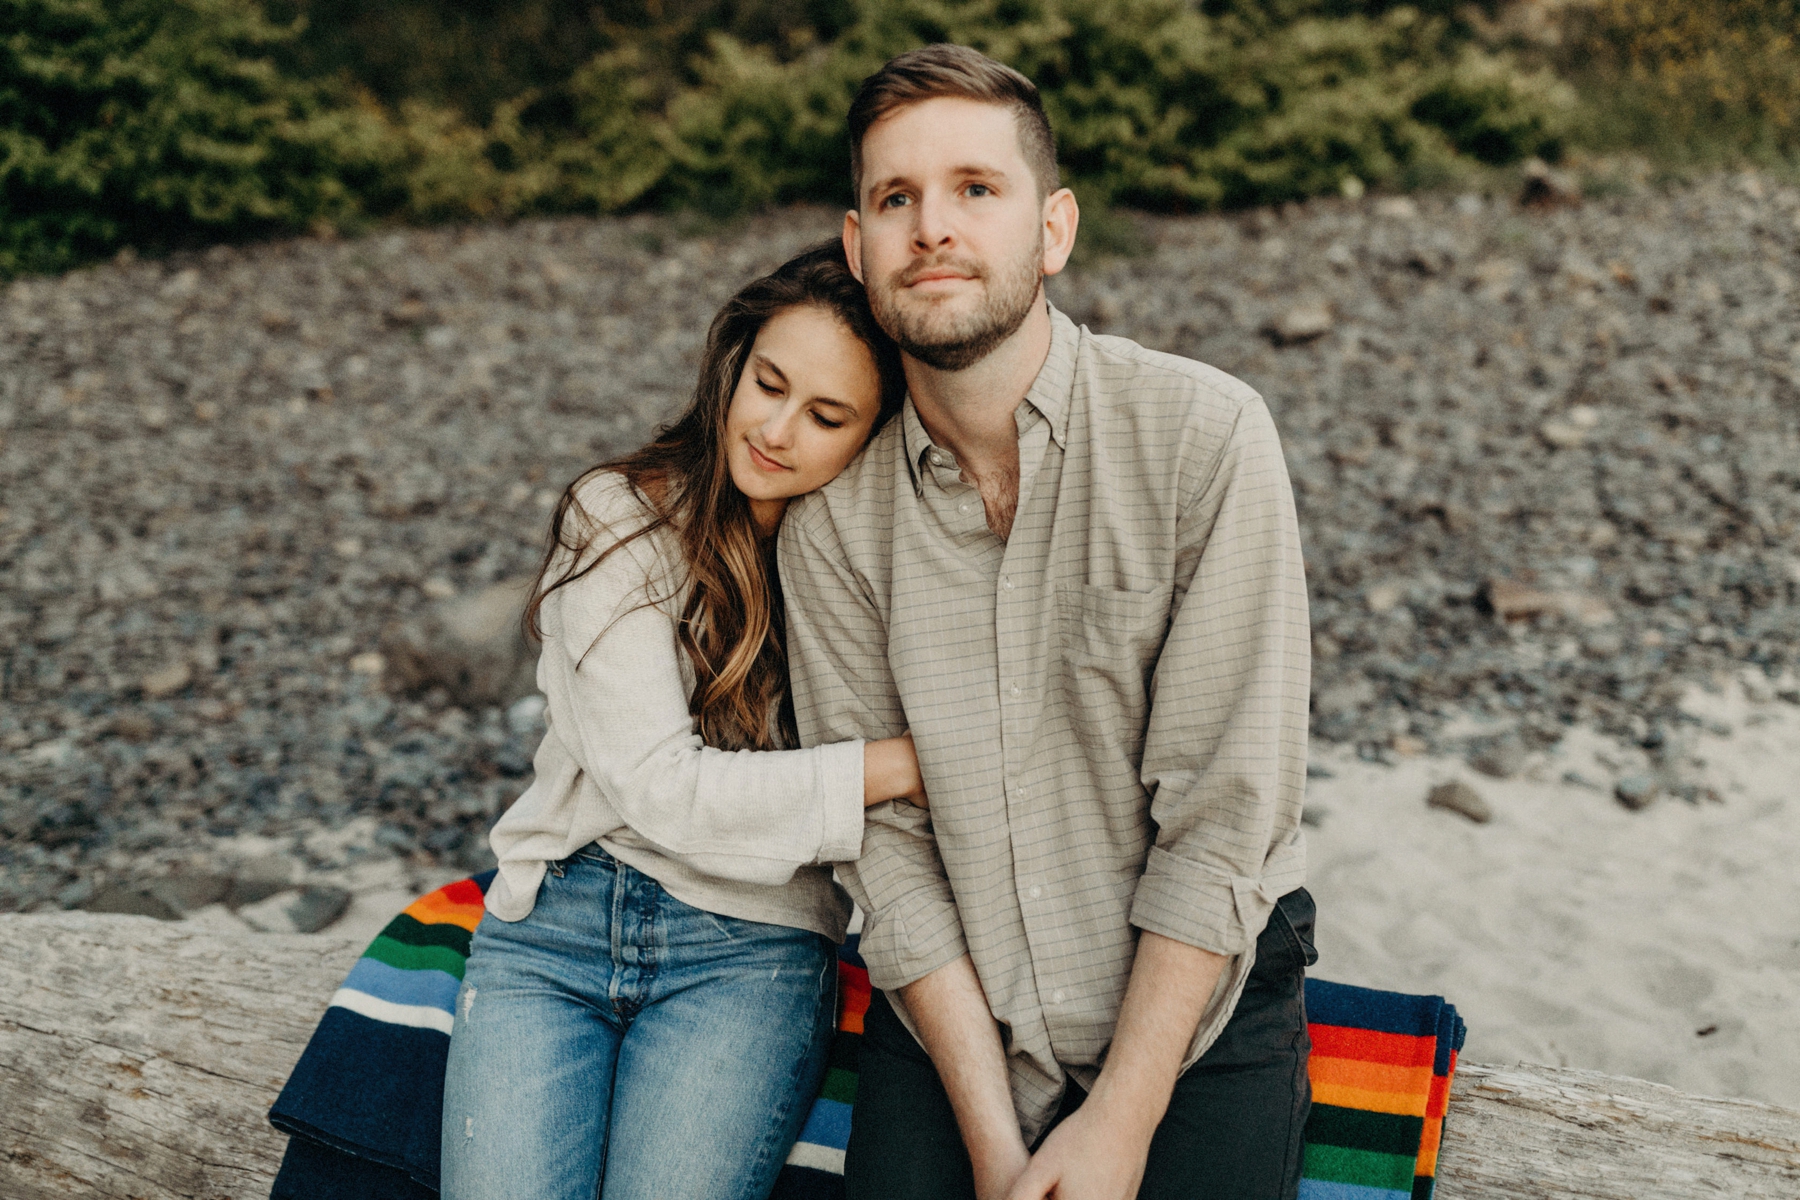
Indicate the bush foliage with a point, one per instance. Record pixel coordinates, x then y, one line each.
155 122
1700 81
162 122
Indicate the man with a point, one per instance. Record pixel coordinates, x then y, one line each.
1072 568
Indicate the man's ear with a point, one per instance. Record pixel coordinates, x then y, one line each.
853 244
1062 216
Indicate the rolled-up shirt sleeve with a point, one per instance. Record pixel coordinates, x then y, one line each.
1225 750
843 688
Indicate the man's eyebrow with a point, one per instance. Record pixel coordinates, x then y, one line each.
962 171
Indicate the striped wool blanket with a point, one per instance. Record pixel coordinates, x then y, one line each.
365 1100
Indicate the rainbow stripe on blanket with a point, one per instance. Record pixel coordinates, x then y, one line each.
815 1168
366 1099
1381 1067
410 973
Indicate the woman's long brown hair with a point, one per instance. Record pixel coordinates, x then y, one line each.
731 622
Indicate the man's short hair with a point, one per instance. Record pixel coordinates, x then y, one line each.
950 70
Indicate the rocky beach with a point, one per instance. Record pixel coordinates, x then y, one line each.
256 501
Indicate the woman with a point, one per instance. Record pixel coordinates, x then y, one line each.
649 996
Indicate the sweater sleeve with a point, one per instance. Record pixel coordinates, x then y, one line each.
619 704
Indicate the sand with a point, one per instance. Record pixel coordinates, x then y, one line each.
1662 944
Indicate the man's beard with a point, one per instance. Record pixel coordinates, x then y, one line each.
953 343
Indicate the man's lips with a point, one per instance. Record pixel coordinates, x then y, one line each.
927 277
939 273
764 461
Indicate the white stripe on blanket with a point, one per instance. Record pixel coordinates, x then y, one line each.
819 1158
419 1016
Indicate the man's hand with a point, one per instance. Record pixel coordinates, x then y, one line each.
998 1170
1098 1153
958 1029
1091 1156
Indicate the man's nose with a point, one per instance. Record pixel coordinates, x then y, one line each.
931 222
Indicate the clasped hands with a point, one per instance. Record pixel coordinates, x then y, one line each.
1093 1154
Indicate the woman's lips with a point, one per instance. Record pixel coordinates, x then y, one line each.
763 461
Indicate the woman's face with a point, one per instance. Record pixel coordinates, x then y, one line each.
804 406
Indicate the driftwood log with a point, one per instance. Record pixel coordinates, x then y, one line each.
138 1059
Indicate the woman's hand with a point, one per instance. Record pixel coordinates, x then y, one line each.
891 772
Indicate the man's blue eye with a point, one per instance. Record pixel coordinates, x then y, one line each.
895 201
978 189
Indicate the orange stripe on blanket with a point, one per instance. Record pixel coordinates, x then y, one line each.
1369 1045
854 1003
1373 1077
438 909
1429 1141
1369 1100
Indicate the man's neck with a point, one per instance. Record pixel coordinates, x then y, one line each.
970 412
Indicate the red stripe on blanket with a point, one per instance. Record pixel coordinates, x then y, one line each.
1368 1045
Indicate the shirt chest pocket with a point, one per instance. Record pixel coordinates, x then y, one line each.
1104 647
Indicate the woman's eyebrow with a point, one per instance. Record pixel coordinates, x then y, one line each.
848 407
764 362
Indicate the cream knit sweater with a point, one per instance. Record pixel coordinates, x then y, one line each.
745 834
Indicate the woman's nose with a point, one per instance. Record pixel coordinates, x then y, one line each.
778 430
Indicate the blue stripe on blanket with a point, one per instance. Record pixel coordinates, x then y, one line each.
828 1124
368 1089
1330 1003
436 989
1318 1189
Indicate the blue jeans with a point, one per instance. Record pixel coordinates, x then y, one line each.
619 1043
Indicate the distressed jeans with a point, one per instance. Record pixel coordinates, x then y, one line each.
619 1043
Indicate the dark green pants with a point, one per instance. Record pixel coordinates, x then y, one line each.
1232 1132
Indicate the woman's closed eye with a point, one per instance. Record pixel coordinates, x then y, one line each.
827 422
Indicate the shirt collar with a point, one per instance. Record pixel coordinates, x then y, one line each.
1049 395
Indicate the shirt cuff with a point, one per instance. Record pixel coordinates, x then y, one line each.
910 938
1199 905
841 786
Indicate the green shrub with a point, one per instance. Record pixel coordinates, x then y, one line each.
156 123
1708 82
1155 103
160 122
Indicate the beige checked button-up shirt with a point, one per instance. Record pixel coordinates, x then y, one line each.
1109 706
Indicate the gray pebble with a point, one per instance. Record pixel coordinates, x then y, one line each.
1501 758
1459 797
1636 791
132 901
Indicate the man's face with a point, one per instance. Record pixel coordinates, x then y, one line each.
948 234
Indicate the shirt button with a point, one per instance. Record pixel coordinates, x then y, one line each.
1006 583
963 509
1036 891
1015 689
1057 998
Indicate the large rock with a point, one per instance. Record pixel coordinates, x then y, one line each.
471 646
